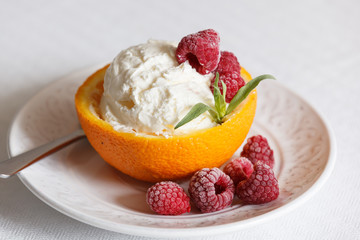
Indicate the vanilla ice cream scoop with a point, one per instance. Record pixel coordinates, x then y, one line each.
147 91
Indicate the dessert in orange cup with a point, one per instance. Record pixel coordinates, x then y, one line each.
154 157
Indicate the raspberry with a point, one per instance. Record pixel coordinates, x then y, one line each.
257 149
168 198
239 169
201 49
261 187
233 82
228 63
211 190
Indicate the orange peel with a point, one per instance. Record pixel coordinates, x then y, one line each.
156 158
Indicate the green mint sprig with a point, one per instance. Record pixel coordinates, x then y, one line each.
220 111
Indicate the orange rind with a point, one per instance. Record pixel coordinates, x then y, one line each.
155 158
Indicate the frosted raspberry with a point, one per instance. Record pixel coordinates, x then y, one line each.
228 63
233 82
257 149
201 49
261 187
239 169
168 198
211 190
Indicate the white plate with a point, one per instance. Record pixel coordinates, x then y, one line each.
76 181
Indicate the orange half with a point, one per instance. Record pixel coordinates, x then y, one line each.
156 158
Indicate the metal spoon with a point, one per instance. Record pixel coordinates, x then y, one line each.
13 165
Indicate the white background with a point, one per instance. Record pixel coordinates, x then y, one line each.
313 47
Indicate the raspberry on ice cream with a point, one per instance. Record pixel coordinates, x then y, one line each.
257 149
261 187
168 198
233 82
201 49
211 190
228 63
229 73
239 169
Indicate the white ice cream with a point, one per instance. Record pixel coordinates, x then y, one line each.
147 91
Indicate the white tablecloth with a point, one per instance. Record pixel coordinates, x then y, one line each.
313 47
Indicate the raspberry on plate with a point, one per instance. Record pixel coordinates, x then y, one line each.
168 198
239 169
211 190
257 149
201 49
233 82
261 187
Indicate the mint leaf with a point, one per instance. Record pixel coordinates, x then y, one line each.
216 82
245 90
215 115
194 112
220 110
224 89
220 104
223 101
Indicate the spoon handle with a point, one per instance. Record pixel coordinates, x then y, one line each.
13 165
